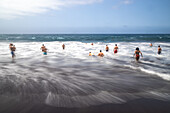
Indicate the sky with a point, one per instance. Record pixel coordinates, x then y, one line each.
84 16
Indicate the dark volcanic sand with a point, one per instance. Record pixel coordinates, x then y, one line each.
135 106
62 82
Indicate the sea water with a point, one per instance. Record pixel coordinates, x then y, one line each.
71 78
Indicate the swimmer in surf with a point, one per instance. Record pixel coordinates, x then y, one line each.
101 54
42 47
12 48
44 50
107 48
90 54
115 48
137 51
151 45
63 46
159 50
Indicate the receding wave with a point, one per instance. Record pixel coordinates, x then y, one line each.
70 78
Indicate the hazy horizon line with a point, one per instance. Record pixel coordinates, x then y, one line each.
80 33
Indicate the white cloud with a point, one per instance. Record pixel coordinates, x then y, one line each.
16 8
122 2
127 1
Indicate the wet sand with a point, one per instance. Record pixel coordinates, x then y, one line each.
135 106
119 91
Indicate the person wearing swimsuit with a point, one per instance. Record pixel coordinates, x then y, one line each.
137 53
42 47
107 48
44 50
12 48
115 48
159 50
151 45
63 46
90 54
101 54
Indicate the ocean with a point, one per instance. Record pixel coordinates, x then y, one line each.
70 80
106 38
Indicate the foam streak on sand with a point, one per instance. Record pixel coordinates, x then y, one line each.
70 78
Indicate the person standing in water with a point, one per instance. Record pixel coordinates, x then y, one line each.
107 48
151 45
92 44
63 46
44 50
159 50
12 48
115 48
42 47
90 54
137 51
101 54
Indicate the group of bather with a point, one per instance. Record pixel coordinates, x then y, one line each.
44 50
136 53
107 50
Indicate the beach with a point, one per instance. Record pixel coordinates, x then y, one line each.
69 80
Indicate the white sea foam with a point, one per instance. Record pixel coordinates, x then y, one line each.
71 78
80 50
